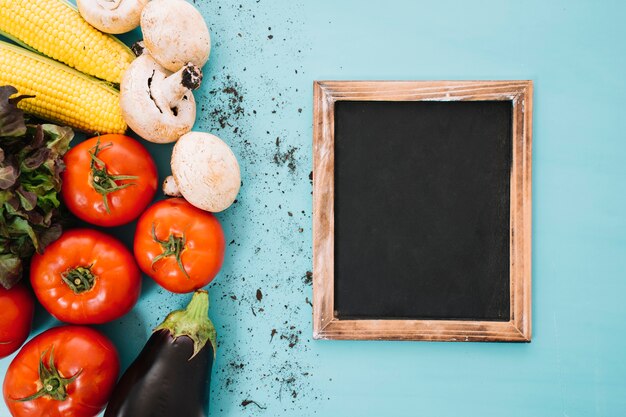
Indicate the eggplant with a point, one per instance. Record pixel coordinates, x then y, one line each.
172 374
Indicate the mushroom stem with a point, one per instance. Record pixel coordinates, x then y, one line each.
170 188
138 48
171 90
155 103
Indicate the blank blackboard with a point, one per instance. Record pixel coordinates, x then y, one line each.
422 201
422 210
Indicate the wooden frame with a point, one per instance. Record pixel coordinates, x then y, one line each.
325 323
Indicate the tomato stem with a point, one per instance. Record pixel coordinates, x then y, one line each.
79 279
173 246
53 384
101 180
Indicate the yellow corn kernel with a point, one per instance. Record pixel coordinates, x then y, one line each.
62 94
56 29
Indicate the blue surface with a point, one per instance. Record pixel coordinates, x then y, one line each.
573 50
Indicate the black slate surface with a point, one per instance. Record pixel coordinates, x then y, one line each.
422 210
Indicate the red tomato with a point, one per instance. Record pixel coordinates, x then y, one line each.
108 180
86 277
70 371
17 307
179 246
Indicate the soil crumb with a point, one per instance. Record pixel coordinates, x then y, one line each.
286 157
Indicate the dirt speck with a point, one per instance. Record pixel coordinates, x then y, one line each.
246 403
229 108
292 336
259 295
308 278
290 382
285 157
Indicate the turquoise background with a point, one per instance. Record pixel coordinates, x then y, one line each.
269 52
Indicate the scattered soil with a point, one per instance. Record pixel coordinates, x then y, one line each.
246 403
227 109
308 278
286 157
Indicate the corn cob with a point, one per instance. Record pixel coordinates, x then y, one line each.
56 29
62 94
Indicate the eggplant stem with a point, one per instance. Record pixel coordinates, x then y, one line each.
192 322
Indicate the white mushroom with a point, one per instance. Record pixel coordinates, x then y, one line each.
205 172
170 188
158 105
112 16
175 33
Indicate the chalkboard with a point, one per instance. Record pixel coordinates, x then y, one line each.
422 210
422 198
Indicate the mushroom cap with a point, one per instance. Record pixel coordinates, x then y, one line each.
175 33
141 113
206 171
112 16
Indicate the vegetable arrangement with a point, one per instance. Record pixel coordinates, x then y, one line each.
30 167
86 277
157 104
68 38
33 74
179 246
17 306
67 68
197 160
112 16
64 371
109 180
170 375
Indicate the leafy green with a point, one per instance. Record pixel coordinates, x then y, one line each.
31 162
11 118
